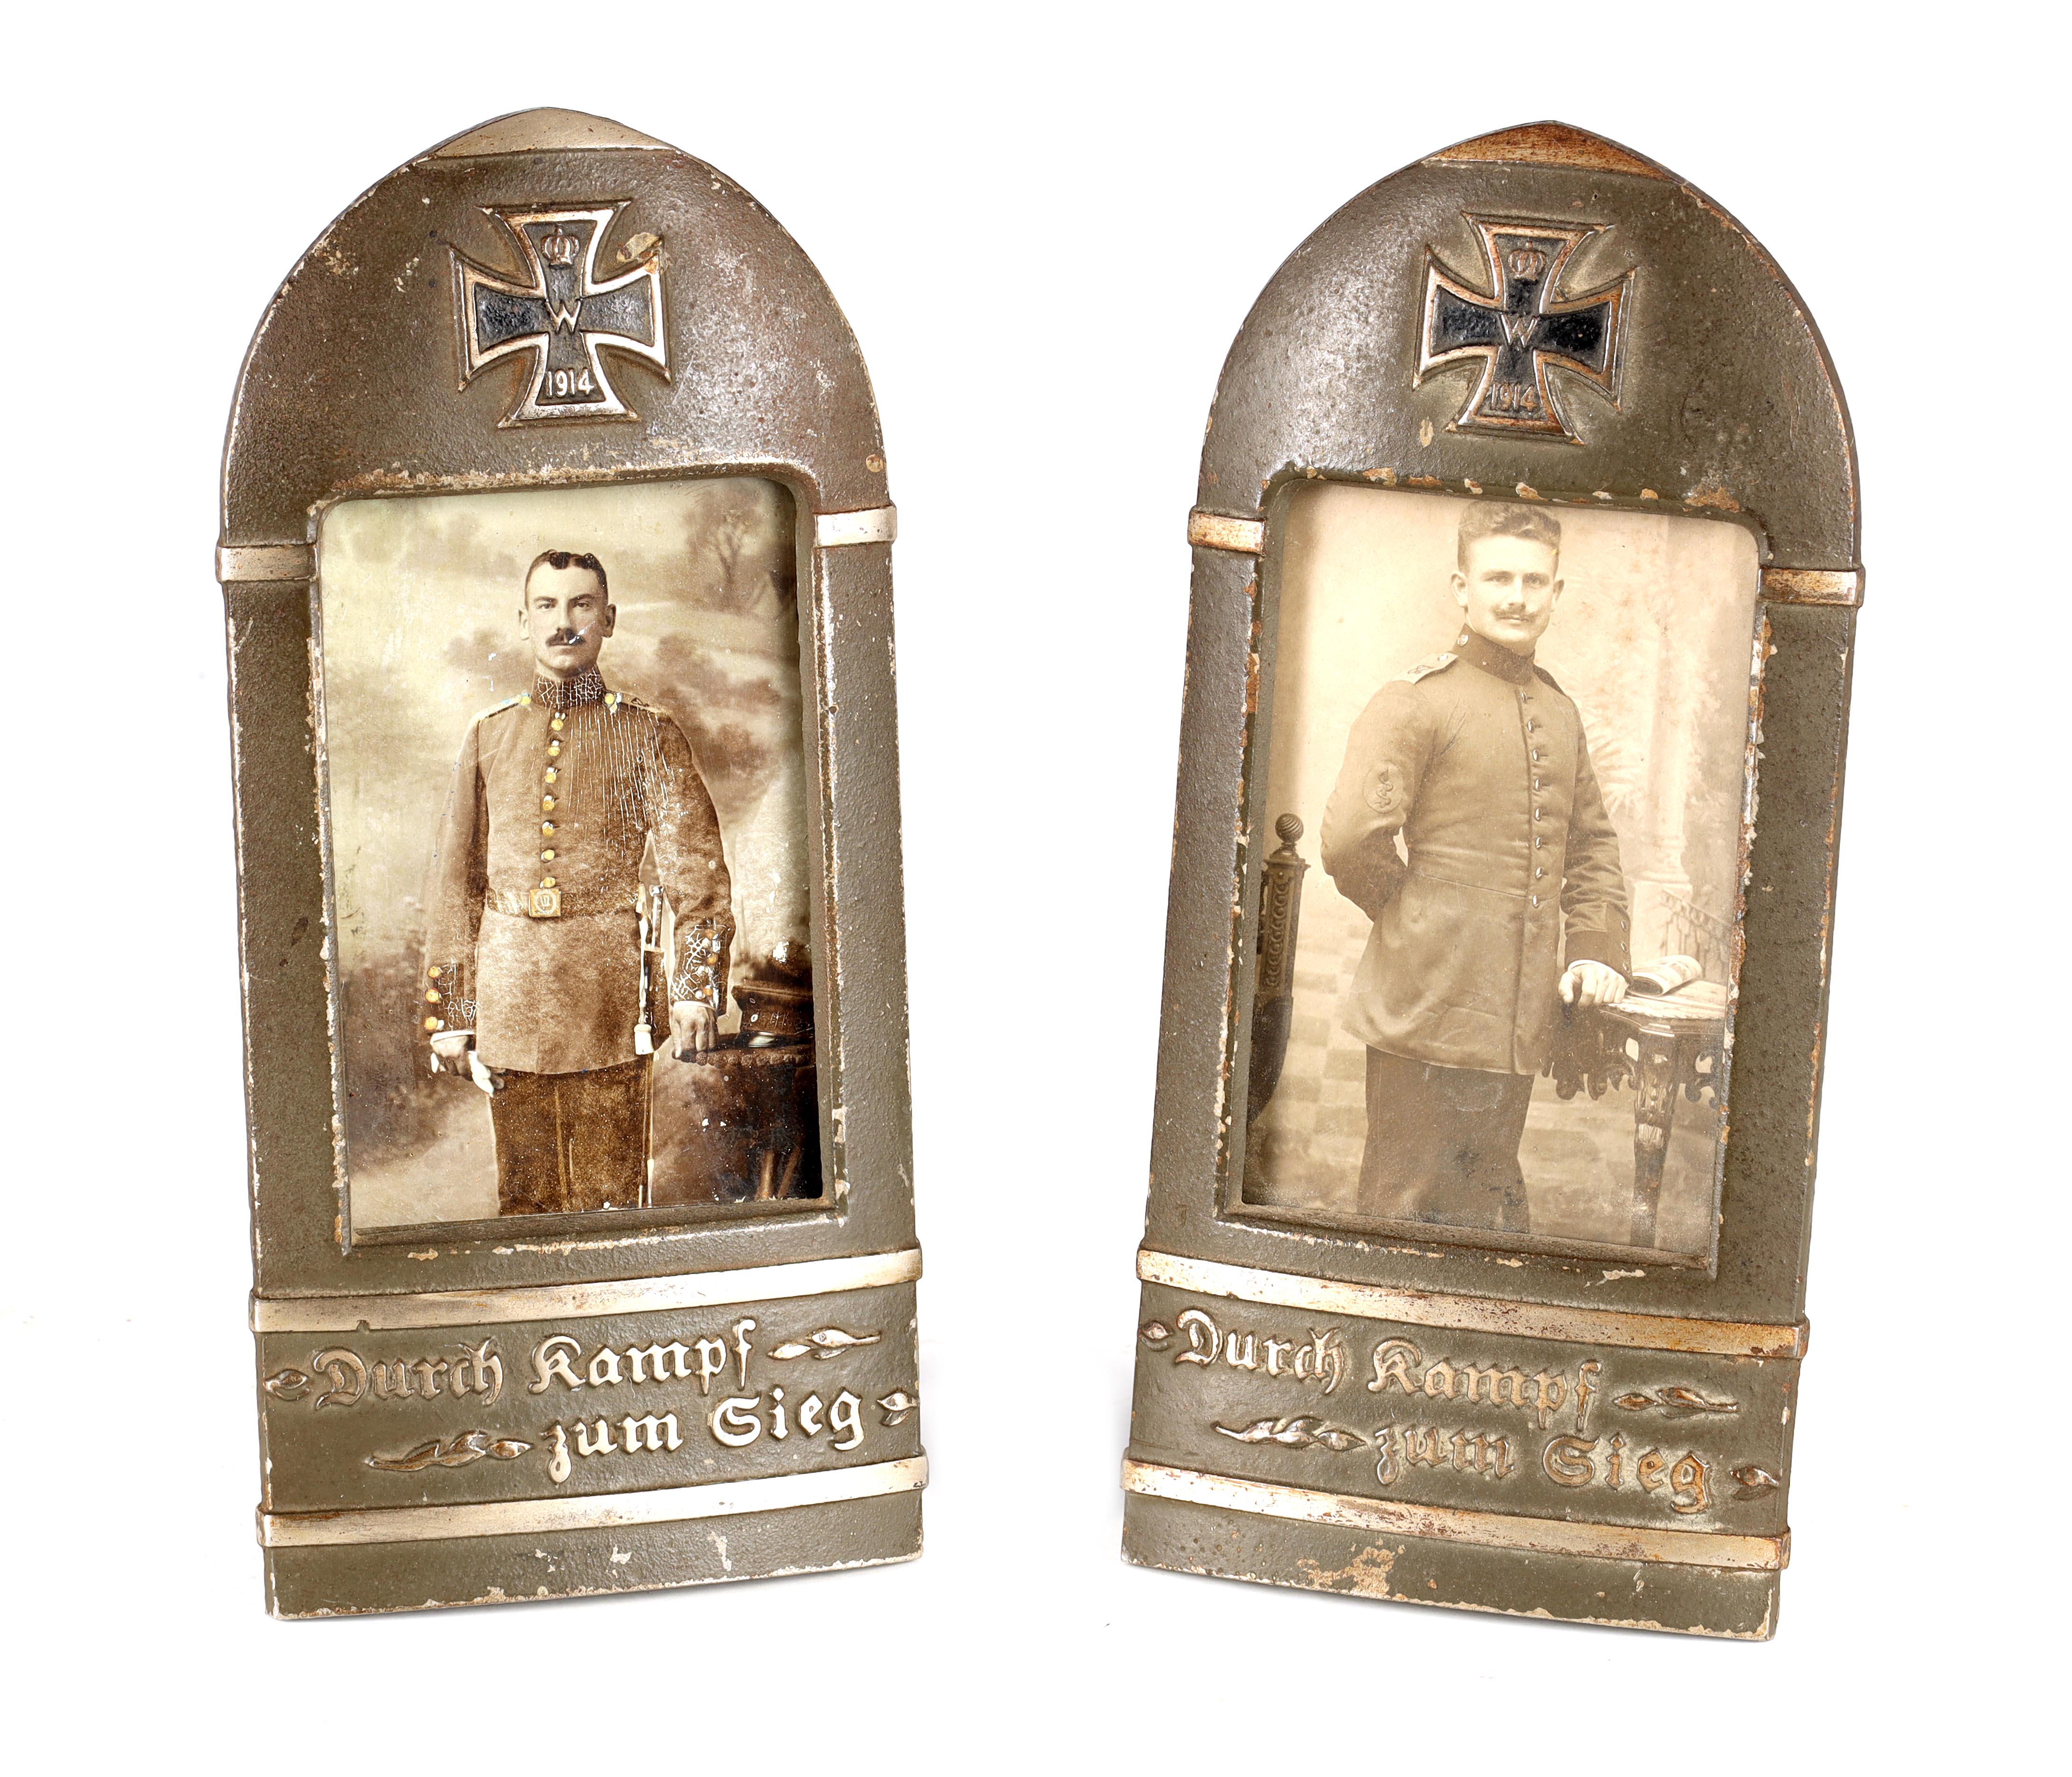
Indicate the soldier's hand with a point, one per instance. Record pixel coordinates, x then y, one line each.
449 1050
693 1029
1592 984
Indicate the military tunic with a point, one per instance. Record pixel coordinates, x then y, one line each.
533 941
1478 760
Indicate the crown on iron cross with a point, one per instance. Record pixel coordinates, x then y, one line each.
557 314
1518 329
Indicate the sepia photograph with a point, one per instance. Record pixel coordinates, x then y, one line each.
1500 833
561 739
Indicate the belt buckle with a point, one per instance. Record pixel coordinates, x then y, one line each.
543 903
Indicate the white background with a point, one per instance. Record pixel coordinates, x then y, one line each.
1046 224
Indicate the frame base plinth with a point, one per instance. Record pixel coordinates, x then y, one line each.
1188 1538
351 1580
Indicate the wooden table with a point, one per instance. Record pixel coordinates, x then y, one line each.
1664 1043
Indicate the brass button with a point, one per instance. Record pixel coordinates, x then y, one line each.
553 773
547 805
556 724
1535 901
1539 872
546 882
431 1023
553 749
547 827
432 995
1537 841
547 856
433 971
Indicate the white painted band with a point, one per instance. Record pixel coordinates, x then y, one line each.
1660 1332
838 530
1454 1523
1813 586
345 1314
261 561
589 1512
1214 531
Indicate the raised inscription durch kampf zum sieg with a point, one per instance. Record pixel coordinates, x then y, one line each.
1581 1454
562 1367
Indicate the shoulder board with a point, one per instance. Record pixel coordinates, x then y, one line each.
617 700
508 703
1437 663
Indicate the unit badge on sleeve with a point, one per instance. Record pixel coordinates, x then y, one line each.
556 561
1486 1299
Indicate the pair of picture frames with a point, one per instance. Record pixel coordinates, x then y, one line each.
555 558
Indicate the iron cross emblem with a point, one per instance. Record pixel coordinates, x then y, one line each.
561 315
1519 329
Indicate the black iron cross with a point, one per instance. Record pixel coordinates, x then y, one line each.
1517 330
562 315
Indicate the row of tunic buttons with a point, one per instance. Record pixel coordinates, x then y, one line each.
547 800
1539 813
432 997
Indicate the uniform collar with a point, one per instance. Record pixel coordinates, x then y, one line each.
1499 663
587 686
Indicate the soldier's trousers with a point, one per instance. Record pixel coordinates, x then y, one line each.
571 1141
1442 1144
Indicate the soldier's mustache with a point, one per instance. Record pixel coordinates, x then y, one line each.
566 638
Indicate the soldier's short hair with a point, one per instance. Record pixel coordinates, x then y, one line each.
560 559
1500 519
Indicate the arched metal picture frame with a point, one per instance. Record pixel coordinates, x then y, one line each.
551 302
1432 1409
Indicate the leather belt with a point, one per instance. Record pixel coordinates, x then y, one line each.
544 904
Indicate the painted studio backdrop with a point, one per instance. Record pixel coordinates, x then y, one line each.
419 603
1652 638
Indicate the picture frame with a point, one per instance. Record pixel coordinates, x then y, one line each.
553 314
1432 1408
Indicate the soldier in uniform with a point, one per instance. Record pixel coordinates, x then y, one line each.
534 962
1508 904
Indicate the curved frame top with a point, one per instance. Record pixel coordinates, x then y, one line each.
1731 407
348 388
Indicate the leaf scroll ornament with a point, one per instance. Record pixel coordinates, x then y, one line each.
1154 1333
897 1406
286 1384
1676 1401
1752 1483
458 1451
828 1342
1298 1432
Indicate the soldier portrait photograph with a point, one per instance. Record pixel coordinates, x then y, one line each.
562 746
1510 738
540 980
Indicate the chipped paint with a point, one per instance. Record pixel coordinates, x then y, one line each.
1365 1575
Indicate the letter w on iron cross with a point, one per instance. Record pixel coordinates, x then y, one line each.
1517 330
559 314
